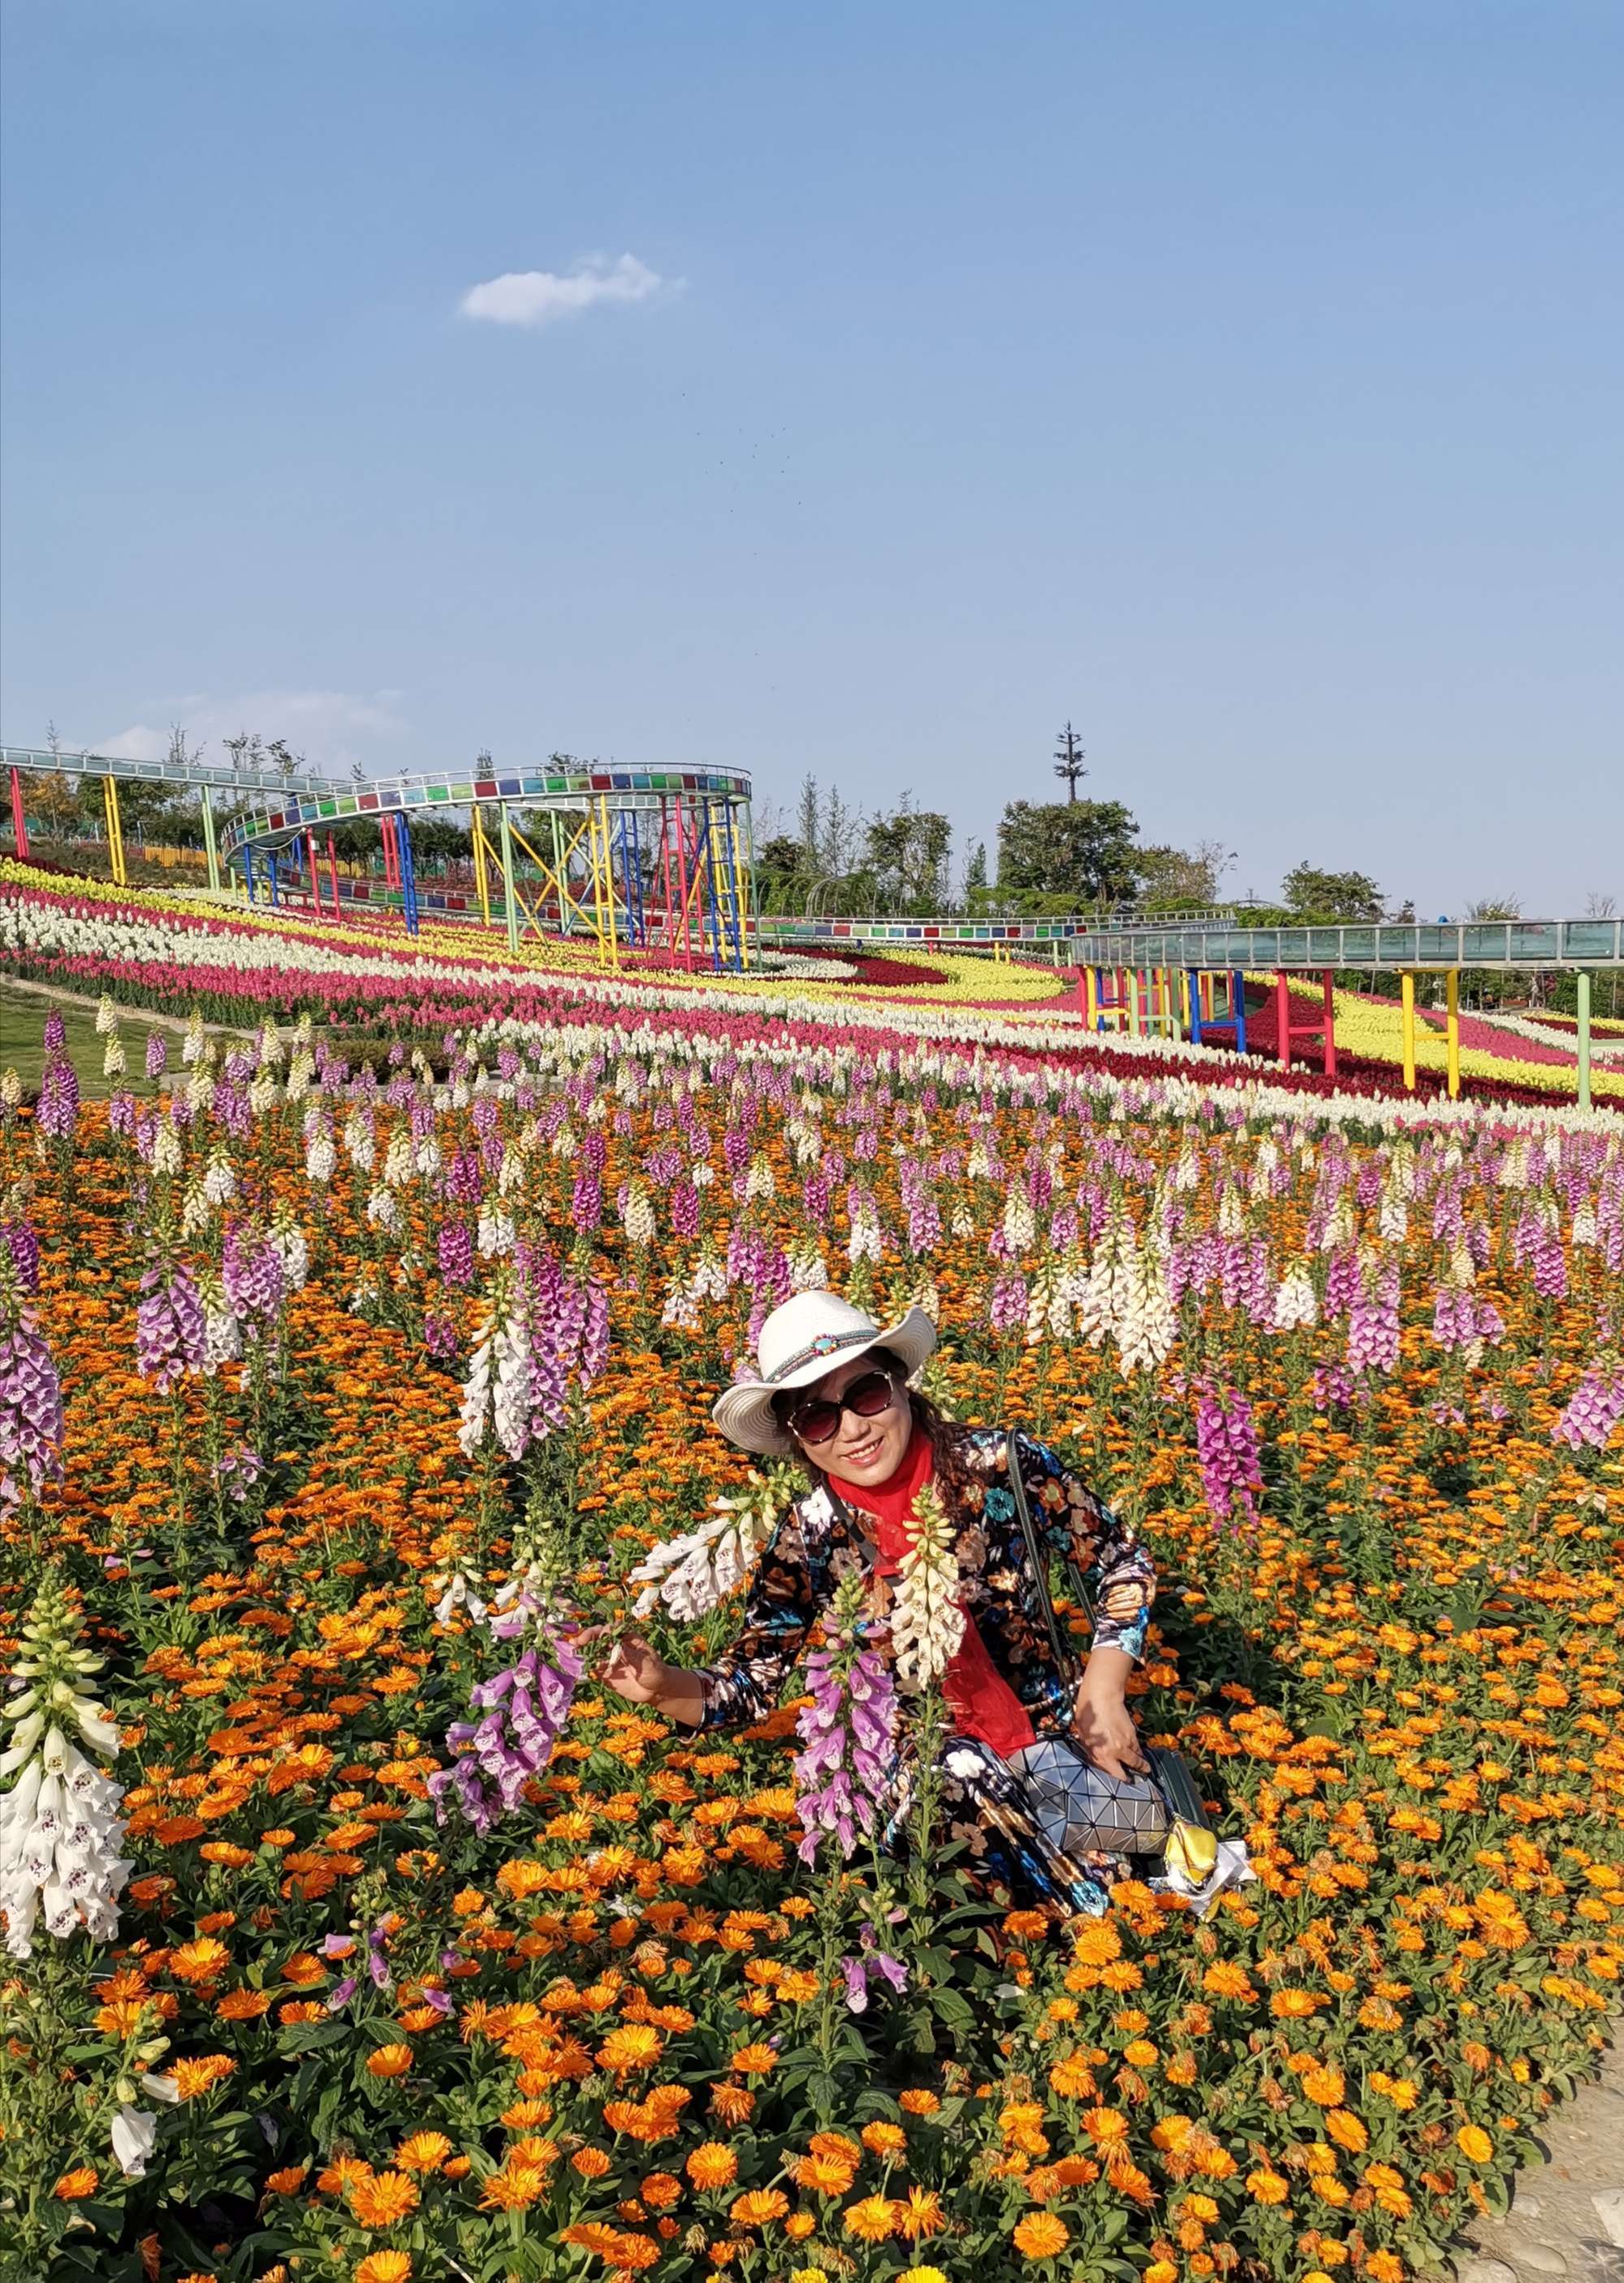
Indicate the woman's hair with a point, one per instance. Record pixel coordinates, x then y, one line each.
944 1435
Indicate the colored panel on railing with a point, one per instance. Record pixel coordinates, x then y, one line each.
485 788
368 800
508 787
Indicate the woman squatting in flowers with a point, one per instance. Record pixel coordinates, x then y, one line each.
834 1390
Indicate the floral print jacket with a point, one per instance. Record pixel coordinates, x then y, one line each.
816 1542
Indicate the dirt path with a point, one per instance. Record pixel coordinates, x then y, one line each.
1568 2216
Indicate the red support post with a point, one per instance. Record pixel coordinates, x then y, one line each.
1330 1061
392 870
1282 1017
19 823
315 877
671 913
332 872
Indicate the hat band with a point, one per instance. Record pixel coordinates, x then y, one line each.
826 1343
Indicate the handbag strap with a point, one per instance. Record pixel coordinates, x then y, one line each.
1065 1654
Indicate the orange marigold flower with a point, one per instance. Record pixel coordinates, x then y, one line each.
202 2074
919 2101
1107 2126
1324 2084
226 1853
922 2215
288 2181
633 2047
1344 2127
204 1960
389 2060
516 2188
660 2191
754 2061
732 2103
83 2181
1042 2235
243 2005
422 2152
1294 2005
873 2220
384 2267
758 2208
591 2163
1266 2186
884 2140
385 2199
710 2165
1474 2143
1224 1979
826 2176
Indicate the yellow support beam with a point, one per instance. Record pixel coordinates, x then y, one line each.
558 880
115 830
1452 1030
606 830
481 876
1406 985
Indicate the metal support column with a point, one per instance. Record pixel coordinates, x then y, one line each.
1452 1030
482 879
1583 1010
1192 985
1407 990
115 830
210 847
1238 1007
1329 980
509 896
19 823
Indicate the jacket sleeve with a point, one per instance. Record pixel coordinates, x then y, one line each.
746 1681
1116 1567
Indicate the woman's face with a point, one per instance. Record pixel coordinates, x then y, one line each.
862 1451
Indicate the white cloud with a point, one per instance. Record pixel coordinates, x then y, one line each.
331 728
536 296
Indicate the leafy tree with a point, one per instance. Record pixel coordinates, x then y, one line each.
976 893
1169 879
1078 852
907 855
1323 899
783 876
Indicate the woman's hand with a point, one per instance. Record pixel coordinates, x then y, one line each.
642 1675
1101 1720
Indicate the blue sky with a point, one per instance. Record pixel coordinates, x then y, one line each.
1241 381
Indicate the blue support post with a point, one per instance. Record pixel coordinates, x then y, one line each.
1237 1006
732 880
248 871
408 875
270 866
1193 977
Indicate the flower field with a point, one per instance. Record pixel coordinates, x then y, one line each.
355 1933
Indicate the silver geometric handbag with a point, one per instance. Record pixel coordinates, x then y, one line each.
1082 1809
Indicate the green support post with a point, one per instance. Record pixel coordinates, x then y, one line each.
208 839
1583 1009
510 893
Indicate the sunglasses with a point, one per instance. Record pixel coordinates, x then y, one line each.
866 1397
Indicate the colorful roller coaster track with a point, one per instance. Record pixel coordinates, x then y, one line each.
652 859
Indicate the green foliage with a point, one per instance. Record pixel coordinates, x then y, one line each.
1322 899
1080 852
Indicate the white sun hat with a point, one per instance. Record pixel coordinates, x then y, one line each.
810 1335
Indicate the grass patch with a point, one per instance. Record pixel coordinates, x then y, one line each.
22 1031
